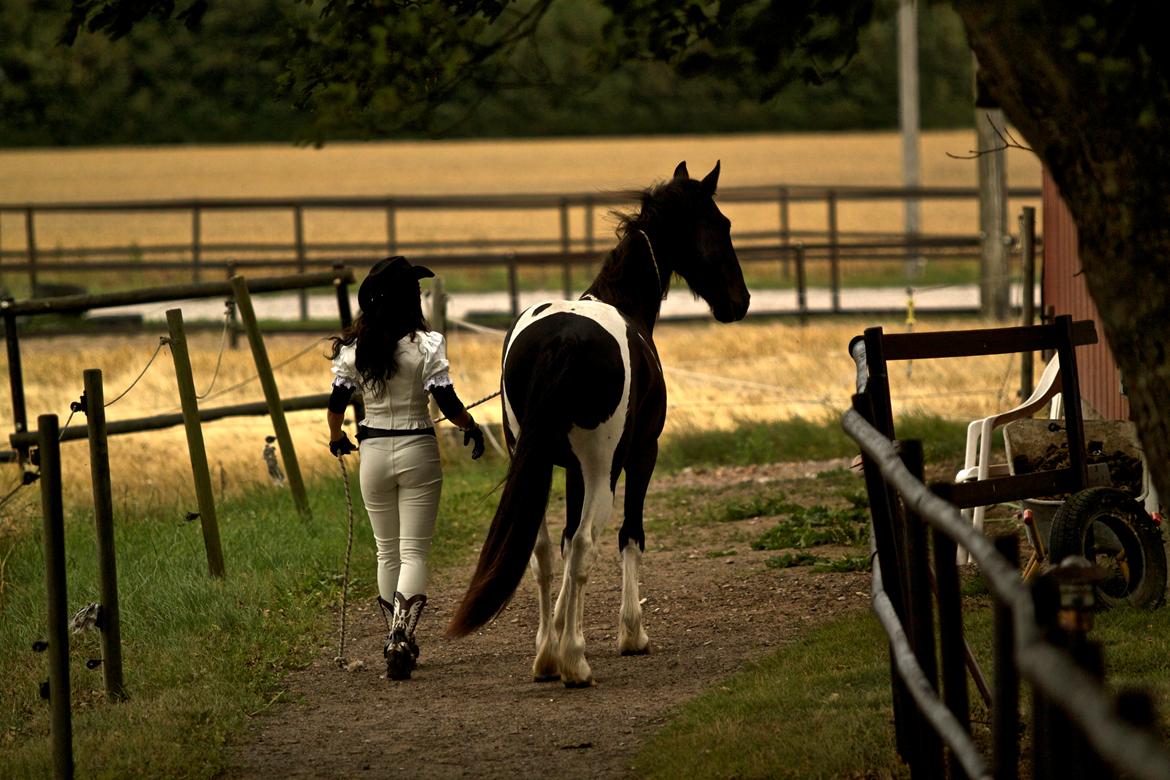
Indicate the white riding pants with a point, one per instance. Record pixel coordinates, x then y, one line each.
401 480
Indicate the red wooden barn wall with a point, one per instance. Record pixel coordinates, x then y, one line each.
1063 291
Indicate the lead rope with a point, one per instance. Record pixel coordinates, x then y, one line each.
653 259
341 660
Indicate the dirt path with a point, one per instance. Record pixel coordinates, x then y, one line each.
472 708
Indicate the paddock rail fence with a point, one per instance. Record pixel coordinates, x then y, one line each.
791 245
237 293
1078 728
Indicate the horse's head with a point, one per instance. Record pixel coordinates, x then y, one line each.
699 237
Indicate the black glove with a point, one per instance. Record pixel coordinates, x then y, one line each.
474 434
342 446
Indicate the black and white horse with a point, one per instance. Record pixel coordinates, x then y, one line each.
583 389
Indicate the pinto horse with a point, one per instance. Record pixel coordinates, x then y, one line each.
582 388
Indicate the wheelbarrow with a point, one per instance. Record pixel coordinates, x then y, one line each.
1114 522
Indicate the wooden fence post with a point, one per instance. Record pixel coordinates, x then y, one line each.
103 512
785 231
951 646
566 246
391 228
513 285
801 285
1028 291
589 207
834 252
881 510
438 305
52 510
1065 604
341 288
30 236
1005 712
233 317
15 369
292 468
199 468
196 243
299 229
919 617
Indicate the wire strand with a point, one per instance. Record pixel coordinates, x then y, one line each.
161 341
20 483
227 315
255 377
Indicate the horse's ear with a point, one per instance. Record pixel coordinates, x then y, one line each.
711 180
681 171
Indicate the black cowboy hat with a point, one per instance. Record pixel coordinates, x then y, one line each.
385 276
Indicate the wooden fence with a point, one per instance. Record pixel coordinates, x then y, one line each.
41 448
235 290
784 244
1078 729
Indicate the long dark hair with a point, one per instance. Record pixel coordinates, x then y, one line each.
378 332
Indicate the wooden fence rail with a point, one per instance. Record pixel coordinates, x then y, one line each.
22 440
1079 728
32 256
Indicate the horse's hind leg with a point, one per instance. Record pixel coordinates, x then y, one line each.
597 508
545 666
632 638
574 500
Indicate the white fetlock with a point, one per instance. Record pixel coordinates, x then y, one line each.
544 668
633 642
575 670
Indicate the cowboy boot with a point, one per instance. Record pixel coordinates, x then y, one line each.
400 656
414 610
399 661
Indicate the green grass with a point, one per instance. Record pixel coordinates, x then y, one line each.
757 442
199 653
800 439
820 707
804 527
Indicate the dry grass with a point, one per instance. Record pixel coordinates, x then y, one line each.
722 375
463 167
718 377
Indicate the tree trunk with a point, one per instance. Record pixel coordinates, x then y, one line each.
1092 101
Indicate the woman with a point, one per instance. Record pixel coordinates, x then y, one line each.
394 360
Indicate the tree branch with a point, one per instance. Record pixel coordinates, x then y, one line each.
1007 141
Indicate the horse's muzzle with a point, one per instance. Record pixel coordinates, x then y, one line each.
735 310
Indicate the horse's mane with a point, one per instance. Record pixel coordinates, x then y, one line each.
651 200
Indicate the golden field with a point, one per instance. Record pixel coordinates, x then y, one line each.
718 375
471 167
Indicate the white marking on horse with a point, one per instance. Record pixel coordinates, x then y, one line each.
560 639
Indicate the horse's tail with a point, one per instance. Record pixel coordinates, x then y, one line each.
512 534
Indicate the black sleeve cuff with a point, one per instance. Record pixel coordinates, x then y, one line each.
449 403
340 399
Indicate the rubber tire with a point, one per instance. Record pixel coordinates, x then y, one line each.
1139 536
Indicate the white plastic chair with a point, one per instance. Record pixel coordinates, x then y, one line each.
977 463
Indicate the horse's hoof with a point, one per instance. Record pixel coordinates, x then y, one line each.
579 683
636 651
545 677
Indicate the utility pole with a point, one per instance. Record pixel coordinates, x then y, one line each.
908 114
993 277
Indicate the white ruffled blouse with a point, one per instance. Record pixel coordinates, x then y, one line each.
422 365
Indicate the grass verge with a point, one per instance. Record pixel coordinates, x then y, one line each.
800 439
817 708
199 654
